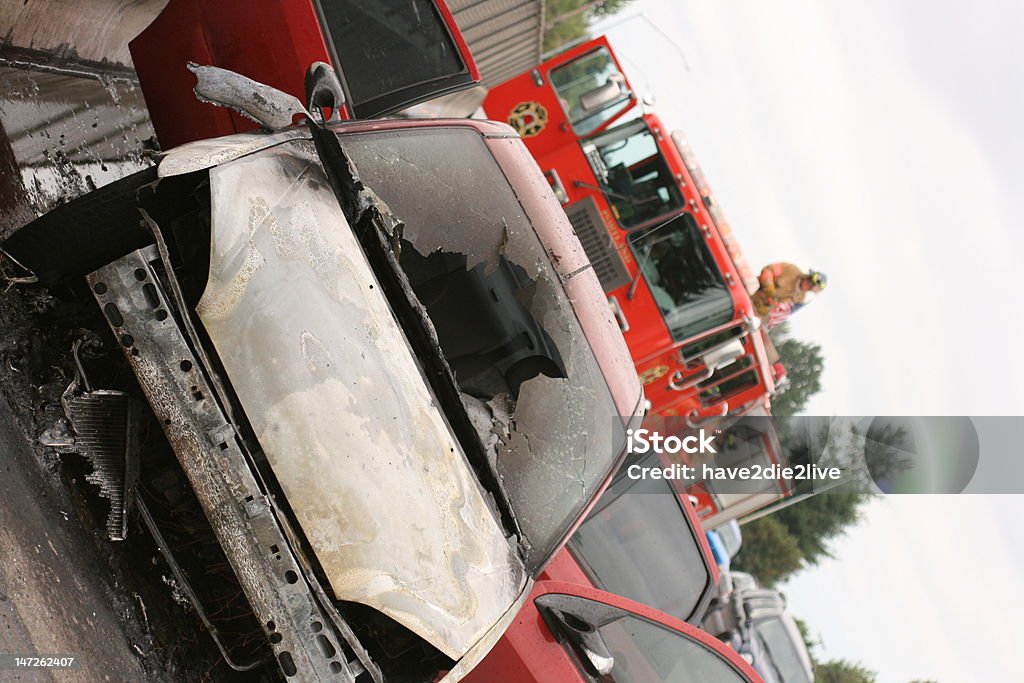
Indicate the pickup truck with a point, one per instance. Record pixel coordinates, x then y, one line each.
380 357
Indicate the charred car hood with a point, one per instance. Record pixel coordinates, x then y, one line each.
349 425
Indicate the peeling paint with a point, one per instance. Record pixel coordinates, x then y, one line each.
324 374
554 445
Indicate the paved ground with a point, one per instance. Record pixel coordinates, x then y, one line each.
54 595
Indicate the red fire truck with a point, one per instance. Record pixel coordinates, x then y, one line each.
668 260
389 55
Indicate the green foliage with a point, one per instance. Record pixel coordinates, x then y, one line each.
842 671
777 546
809 642
815 521
568 20
609 7
769 551
804 364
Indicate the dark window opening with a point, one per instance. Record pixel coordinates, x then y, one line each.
643 651
644 518
386 46
492 342
634 174
683 277
591 90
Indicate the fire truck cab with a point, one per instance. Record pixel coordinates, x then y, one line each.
675 277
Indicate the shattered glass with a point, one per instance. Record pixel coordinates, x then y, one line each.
555 434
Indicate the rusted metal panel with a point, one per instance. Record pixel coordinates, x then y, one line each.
241 514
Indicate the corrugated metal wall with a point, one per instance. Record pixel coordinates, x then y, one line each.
505 36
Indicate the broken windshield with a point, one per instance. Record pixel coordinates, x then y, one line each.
504 322
683 277
635 175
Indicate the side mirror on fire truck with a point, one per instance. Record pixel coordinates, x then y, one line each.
603 95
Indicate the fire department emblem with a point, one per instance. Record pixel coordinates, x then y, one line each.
652 374
528 118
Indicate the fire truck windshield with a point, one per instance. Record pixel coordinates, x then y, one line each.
591 90
633 174
682 276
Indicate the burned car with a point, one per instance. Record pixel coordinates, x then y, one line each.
381 359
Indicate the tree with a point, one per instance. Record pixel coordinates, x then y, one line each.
780 544
842 671
769 551
804 364
568 20
609 7
809 642
815 521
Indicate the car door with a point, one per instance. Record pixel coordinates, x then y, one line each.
567 632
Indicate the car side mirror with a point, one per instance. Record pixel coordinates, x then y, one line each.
267 106
588 640
579 622
603 95
323 89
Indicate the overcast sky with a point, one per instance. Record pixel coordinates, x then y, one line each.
878 142
879 145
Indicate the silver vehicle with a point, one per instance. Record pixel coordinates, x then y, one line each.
755 622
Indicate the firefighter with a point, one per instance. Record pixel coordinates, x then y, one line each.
784 283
